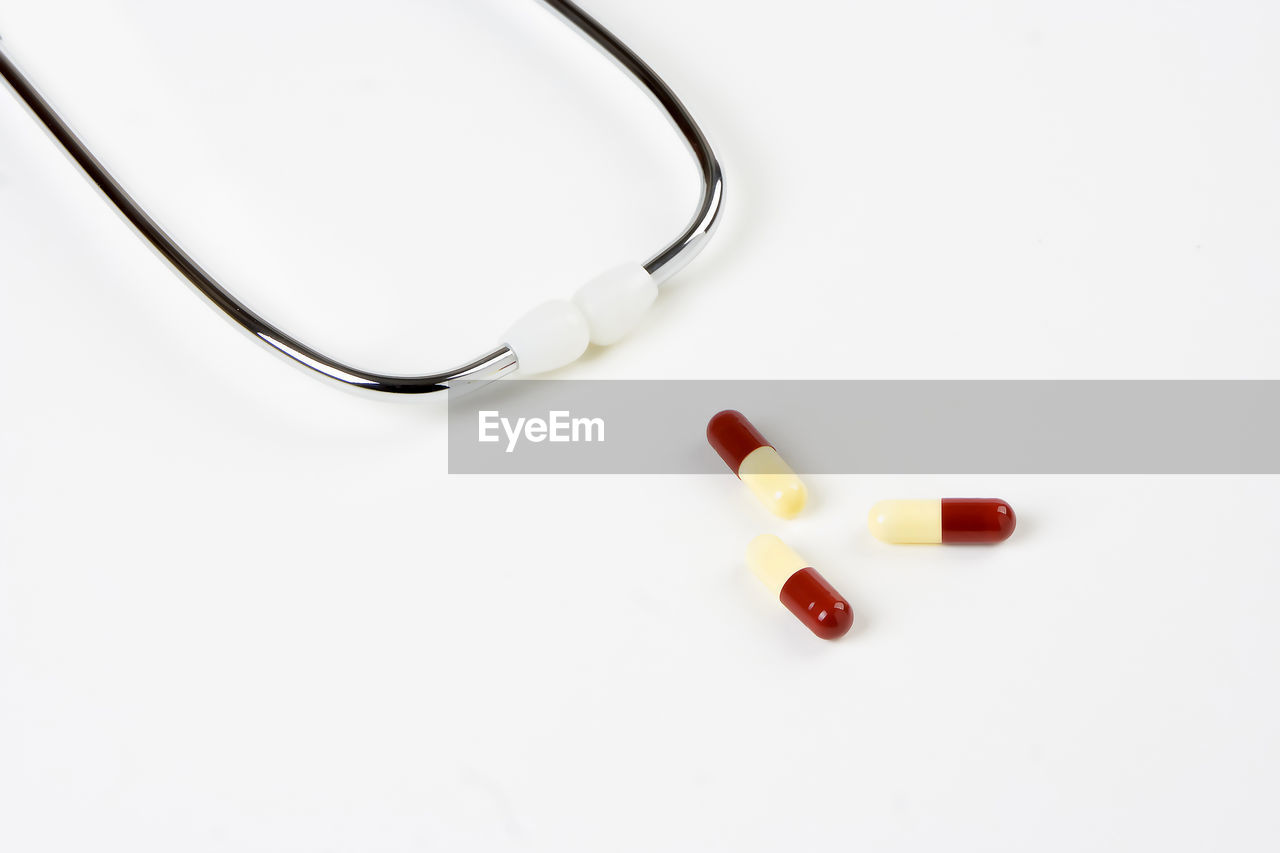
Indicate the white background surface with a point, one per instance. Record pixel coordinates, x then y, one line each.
242 611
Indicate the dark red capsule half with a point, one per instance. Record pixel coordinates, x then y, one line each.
976 520
732 436
816 603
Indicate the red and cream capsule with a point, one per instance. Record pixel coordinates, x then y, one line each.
756 463
801 589
946 521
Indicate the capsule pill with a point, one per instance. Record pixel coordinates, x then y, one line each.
799 587
946 521
756 463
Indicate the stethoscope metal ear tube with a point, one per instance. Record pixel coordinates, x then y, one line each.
496 363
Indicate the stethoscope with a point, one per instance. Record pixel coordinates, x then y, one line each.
547 337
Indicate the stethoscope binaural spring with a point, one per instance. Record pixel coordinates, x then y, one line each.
551 335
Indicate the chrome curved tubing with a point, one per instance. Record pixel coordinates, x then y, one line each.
692 240
487 367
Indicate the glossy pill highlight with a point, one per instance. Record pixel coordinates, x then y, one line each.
756 463
947 521
801 589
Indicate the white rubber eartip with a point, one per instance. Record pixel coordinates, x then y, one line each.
550 336
615 302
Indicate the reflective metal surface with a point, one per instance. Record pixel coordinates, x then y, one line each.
691 241
487 367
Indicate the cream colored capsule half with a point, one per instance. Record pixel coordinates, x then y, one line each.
773 561
907 522
773 482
